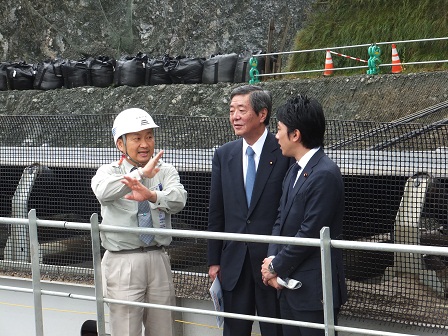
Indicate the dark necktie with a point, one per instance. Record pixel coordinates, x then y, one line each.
144 218
250 174
294 170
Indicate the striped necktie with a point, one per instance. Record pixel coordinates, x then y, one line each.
144 219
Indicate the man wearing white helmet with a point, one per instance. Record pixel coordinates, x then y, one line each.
136 266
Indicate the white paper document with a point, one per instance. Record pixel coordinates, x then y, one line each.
289 283
216 294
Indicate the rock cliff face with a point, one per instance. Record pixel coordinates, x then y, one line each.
39 29
36 30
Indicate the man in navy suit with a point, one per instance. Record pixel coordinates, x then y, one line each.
313 198
237 264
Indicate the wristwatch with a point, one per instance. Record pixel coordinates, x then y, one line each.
271 268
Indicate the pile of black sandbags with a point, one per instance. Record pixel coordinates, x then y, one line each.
136 70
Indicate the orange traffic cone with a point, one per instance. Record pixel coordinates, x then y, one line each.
396 64
328 64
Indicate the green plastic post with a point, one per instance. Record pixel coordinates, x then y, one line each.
374 60
253 72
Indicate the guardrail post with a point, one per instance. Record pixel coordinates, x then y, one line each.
95 233
253 72
327 283
374 60
17 246
34 255
407 231
407 221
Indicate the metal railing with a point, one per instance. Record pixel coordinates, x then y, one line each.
325 244
366 45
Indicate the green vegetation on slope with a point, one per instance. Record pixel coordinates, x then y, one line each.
336 23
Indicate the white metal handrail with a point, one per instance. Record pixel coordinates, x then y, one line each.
342 244
325 243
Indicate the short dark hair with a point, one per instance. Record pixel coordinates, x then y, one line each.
258 98
305 115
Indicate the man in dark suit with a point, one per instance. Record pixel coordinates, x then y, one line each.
313 198
236 210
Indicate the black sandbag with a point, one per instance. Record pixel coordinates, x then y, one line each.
76 73
184 70
156 73
3 76
102 71
243 67
49 75
20 75
131 70
219 68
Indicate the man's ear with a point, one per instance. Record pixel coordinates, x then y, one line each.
120 145
296 136
263 114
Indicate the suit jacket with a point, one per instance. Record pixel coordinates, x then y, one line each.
317 200
229 211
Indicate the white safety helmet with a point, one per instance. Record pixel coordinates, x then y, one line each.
130 121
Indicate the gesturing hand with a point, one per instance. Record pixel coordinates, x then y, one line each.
139 191
150 169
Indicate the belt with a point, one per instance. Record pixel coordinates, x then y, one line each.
141 249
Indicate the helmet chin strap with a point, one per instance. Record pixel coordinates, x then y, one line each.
138 164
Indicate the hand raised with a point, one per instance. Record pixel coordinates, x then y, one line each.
150 169
139 191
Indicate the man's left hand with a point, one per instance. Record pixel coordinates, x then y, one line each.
273 283
265 274
139 191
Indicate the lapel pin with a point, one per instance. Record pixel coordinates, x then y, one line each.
305 175
270 162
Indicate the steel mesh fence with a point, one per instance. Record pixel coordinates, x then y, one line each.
396 185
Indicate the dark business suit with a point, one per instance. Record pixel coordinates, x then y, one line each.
317 200
240 262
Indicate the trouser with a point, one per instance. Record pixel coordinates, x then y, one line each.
247 298
140 277
316 316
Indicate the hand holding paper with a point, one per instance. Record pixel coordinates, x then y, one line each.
216 294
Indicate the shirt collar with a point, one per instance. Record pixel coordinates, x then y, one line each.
258 145
127 166
307 157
